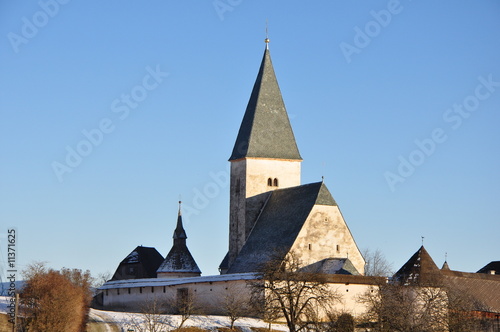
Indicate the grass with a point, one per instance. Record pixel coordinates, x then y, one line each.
4 323
190 329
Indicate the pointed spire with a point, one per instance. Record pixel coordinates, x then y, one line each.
179 233
420 268
179 261
445 265
265 131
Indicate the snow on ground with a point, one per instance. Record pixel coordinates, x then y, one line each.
4 302
126 320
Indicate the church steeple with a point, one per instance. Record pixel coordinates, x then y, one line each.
179 233
265 131
265 157
179 262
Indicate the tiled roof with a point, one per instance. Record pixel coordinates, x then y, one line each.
482 290
419 269
332 266
179 259
279 224
265 131
148 257
491 266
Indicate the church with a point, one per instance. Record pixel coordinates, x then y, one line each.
271 212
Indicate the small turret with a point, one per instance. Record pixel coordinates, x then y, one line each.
179 262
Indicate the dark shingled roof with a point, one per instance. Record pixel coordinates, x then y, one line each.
149 258
279 224
420 268
491 266
332 266
265 131
179 259
481 289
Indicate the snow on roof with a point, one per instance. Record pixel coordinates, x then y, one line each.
150 282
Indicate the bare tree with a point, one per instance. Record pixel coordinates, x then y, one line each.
287 289
184 305
407 308
376 264
101 278
235 306
151 319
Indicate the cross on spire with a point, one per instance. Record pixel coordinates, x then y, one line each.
267 36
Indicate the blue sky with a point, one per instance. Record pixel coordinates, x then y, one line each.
395 103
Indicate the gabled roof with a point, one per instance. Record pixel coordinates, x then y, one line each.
420 268
279 224
149 258
491 266
179 259
265 131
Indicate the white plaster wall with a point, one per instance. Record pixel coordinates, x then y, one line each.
324 229
209 297
259 170
350 294
249 178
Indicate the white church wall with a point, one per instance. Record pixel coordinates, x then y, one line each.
208 293
211 293
326 235
259 171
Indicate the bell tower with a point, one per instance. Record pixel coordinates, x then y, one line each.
265 157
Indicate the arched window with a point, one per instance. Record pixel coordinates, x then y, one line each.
275 182
269 182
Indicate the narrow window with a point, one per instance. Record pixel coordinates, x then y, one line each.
118 291
129 290
106 292
140 290
152 289
338 248
310 246
269 182
164 289
275 182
